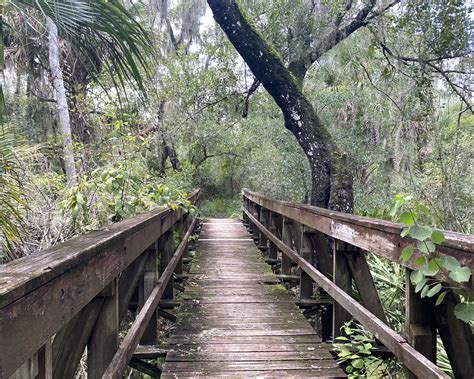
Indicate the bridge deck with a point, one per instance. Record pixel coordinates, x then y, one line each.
235 321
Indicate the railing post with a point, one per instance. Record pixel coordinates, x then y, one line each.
342 278
103 342
307 253
263 243
166 249
419 326
149 280
245 218
288 241
256 231
45 361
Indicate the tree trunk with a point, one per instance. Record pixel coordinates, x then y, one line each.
63 110
331 181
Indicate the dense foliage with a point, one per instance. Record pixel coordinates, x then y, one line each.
161 103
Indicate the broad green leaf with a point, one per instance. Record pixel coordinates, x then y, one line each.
358 363
407 252
416 276
431 269
424 291
420 285
464 311
441 297
434 290
426 246
449 263
420 233
420 261
408 218
437 237
461 274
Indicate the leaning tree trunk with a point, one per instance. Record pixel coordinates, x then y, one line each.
63 110
331 181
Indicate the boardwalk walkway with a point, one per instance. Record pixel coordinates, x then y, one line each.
236 321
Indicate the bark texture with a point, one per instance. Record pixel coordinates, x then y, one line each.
331 183
61 101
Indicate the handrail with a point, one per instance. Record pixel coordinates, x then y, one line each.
380 237
298 231
41 293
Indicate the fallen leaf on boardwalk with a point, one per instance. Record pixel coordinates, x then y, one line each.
193 284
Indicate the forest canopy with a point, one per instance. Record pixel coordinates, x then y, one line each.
110 108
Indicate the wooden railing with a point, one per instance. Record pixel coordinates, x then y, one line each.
302 235
80 290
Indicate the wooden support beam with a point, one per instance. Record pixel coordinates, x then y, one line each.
70 342
45 361
457 337
307 253
365 283
419 326
166 248
103 342
150 277
145 368
287 239
343 279
149 352
263 242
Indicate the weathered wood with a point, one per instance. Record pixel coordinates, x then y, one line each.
166 250
419 327
70 342
233 319
365 283
342 278
413 360
60 281
45 361
144 367
149 352
457 337
150 277
103 341
287 239
307 253
130 342
377 236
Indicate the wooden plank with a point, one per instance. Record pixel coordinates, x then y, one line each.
342 278
415 361
288 373
232 318
103 341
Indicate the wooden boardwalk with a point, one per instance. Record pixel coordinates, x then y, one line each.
236 321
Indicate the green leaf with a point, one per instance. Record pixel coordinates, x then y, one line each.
426 246
431 269
464 311
416 276
441 297
449 263
434 290
408 218
420 285
420 261
405 232
407 252
424 291
461 274
420 233
358 363
437 237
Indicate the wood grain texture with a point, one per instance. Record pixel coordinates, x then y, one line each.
234 322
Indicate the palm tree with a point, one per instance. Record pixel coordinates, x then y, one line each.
100 31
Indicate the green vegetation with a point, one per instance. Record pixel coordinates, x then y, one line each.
160 103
